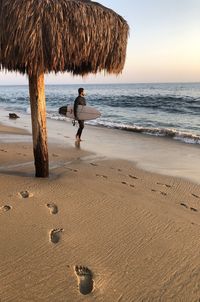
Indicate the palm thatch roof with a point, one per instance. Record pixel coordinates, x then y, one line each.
77 36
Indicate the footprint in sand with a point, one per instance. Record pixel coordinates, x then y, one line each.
193 209
93 164
5 208
162 193
159 183
125 183
132 176
52 207
186 206
25 194
55 234
99 175
195 195
73 170
85 281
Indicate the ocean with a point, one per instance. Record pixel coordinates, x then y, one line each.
168 110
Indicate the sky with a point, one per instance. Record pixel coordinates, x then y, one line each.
163 45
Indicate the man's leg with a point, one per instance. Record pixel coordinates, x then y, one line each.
80 129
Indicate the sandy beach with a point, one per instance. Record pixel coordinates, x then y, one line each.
117 220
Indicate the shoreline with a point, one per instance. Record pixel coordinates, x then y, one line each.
154 154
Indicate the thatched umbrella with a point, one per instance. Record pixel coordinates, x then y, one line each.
43 36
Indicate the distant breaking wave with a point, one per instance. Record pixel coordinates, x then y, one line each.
170 104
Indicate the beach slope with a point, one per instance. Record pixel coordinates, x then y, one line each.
96 230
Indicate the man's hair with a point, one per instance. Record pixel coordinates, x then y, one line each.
80 90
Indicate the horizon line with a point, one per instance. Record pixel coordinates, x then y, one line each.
111 83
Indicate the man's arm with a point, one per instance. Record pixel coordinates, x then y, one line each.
76 102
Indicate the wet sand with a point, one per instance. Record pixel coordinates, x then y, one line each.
153 154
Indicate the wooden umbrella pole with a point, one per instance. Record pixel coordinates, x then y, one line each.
39 132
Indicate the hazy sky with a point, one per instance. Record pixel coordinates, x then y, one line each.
163 46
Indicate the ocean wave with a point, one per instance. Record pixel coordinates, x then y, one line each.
185 137
171 102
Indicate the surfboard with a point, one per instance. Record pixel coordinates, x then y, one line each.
84 113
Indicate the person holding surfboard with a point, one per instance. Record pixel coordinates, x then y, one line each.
80 100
